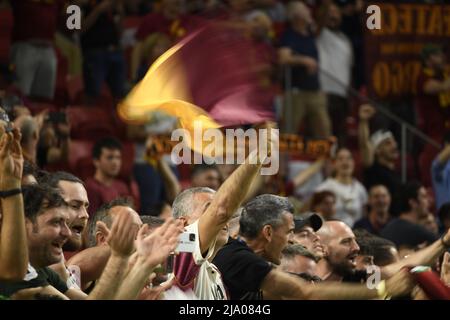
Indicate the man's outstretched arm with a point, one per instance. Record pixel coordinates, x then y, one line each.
228 199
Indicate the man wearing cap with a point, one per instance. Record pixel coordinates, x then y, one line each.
305 228
247 263
378 153
433 88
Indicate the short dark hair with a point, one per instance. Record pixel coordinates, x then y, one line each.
409 191
108 143
375 246
37 197
266 209
363 239
102 214
53 178
200 168
152 221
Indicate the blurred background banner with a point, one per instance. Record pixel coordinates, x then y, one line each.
393 53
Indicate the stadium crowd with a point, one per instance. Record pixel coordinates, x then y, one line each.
91 210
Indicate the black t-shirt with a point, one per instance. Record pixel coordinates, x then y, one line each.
403 232
379 174
242 270
306 46
34 279
364 223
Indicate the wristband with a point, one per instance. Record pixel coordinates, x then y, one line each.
10 193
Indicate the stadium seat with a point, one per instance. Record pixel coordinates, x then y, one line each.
6 26
87 122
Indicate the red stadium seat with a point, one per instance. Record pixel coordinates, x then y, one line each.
75 88
87 122
6 26
79 149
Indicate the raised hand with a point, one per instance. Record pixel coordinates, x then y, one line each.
11 160
154 248
366 111
123 233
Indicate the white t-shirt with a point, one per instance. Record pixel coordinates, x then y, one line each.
350 199
193 272
336 58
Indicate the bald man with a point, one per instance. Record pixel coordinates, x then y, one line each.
341 250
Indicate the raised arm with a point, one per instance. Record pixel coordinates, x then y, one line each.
426 256
366 112
171 184
303 176
121 240
285 286
228 198
13 238
287 57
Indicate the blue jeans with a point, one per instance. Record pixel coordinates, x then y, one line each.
101 65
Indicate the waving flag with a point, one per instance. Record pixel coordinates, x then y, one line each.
210 76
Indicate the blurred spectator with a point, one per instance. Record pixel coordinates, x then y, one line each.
365 258
433 99
444 217
351 196
32 52
378 215
153 172
440 174
103 58
275 9
353 25
335 63
104 186
29 129
405 231
429 223
206 175
382 252
170 23
162 210
297 259
298 50
138 7
379 154
54 140
324 204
